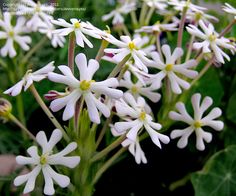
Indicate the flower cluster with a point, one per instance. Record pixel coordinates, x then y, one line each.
149 77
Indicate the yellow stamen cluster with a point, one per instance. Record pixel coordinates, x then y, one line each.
11 33
77 25
134 89
169 67
212 37
197 124
142 116
43 159
85 85
132 45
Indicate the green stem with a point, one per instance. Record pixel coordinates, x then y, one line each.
190 47
33 50
158 44
71 51
180 182
100 53
47 111
143 13
19 124
203 71
228 28
108 164
20 108
149 15
134 19
78 110
108 148
118 67
125 30
181 29
103 131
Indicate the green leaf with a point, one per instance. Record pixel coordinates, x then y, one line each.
218 177
231 108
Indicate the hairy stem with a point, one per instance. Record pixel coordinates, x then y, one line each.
228 28
108 148
47 111
118 67
71 52
19 124
33 50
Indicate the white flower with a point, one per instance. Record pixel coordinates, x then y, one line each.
44 161
181 5
13 34
138 88
171 70
56 39
158 27
29 78
192 16
129 47
229 9
197 122
40 13
133 146
211 42
118 12
158 4
79 28
137 116
86 87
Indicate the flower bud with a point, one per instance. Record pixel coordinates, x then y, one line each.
5 109
52 94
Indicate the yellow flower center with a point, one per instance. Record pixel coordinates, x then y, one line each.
43 159
169 67
197 124
77 25
142 116
212 37
198 16
132 45
85 85
11 33
134 89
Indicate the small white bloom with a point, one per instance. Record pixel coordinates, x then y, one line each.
138 88
197 122
79 28
158 4
29 78
129 47
13 34
56 39
40 13
44 161
158 28
200 15
133 146
136 150
118 12
181 5
86 87
229 9
137 116
211 42
171 70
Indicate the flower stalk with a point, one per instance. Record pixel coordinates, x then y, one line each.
47 111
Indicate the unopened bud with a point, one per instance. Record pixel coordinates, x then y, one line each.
5 109
52 95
